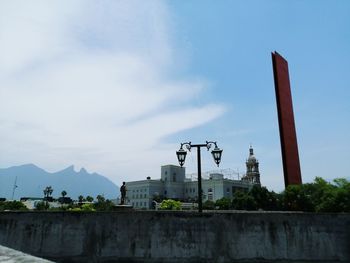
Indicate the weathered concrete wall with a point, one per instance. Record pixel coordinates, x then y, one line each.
178 236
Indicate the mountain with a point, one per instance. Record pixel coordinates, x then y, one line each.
32 180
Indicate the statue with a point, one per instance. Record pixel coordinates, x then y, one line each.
123 194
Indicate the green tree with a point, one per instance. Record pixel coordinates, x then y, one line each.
12 206
296 198
170 204
48 191
223 203
80 198
263 198
209 205
42 206
243 201
100 198
103 204
63 193
89 198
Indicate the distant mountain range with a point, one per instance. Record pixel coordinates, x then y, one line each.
32 180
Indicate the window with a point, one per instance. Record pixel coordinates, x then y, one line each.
227 190
166 172
144 204
145 195
210 190
174 178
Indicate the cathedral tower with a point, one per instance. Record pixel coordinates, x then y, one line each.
252 173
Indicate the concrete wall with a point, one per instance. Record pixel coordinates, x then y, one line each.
178 237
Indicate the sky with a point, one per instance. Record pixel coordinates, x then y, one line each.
116 86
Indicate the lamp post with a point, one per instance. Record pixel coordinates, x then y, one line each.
181 156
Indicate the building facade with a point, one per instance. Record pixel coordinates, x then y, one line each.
173 184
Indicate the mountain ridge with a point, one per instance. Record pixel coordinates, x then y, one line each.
32 180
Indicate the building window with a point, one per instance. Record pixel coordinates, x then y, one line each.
166 172
193 190
145 196
227 190
210 190
174 178
145 204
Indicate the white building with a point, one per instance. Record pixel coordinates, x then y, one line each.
174 185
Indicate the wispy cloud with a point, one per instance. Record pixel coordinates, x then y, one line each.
90 83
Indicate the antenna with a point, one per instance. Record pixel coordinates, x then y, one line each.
14 188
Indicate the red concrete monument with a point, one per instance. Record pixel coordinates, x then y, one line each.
289 145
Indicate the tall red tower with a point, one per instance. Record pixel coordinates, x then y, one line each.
288 137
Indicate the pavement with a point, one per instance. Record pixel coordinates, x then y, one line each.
8 255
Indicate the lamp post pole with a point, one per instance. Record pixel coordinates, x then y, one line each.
181 155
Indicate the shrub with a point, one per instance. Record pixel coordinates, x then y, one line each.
170 204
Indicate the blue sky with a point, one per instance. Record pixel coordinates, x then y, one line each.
115 86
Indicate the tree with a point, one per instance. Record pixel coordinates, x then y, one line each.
89 198
102 204
295 198
223 203
100 198
263 198
12 206
63 193
243 201
42 206
80 198
209 205
48 191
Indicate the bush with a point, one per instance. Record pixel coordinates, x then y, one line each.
12 206
42 206
243 201
209 205
170 204
223 203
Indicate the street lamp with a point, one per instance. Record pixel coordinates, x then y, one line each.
181 156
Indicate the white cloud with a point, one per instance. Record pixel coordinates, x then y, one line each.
89 83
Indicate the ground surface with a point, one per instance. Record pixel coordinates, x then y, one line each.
8 255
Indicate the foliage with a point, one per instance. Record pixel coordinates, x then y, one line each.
223 203
63 193
82 208
48 191
12 206
243 201
103 204
89 198
81 198
42 206
318 196
170 204
209 205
